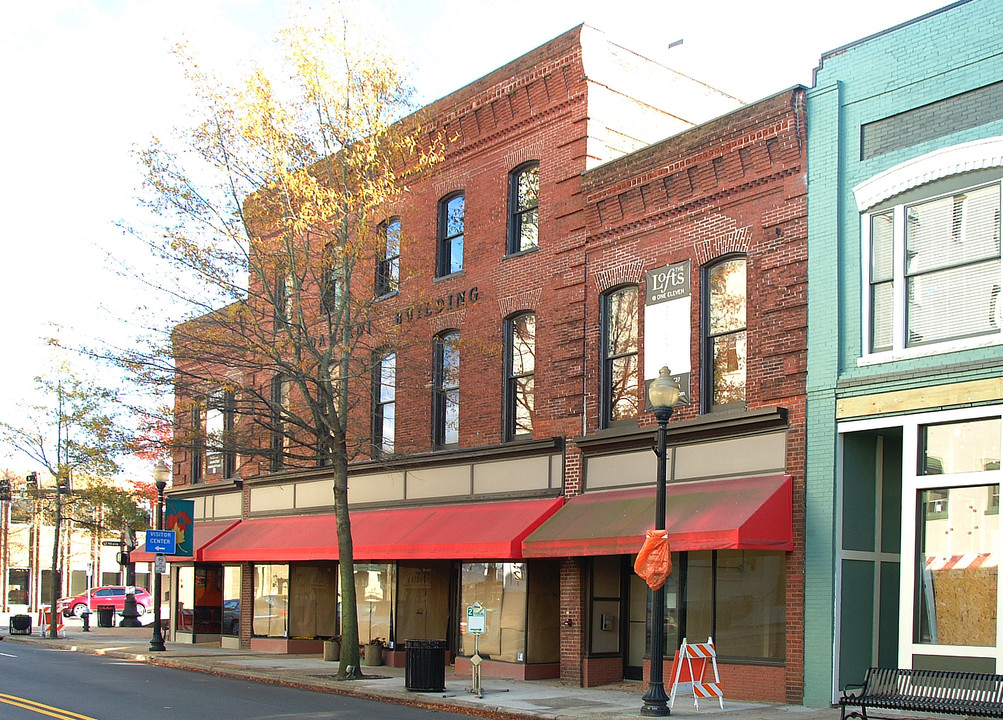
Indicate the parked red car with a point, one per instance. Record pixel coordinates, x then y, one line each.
113 595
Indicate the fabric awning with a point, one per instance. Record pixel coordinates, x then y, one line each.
475 530
744 513
205 533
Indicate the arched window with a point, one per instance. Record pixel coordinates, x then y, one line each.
384 403
451 210
446 399
619 399
520 369
725 351
388 262
523 202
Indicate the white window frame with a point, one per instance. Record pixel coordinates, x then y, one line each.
912 484
946 162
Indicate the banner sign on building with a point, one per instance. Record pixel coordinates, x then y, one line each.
178 516
667 323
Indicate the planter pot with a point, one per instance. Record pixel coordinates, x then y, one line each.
374 654
332 650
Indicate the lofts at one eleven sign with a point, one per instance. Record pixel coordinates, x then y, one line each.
667 321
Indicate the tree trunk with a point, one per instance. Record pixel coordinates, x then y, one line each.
346 570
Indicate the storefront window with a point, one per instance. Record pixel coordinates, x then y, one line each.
231 600
501 589
956 574
374 597
271 600
750 604
423 603
313 600
738 598
960 447
184 601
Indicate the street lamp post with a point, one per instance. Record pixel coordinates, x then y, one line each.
663 394
160 474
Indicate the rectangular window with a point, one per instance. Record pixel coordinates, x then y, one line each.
385 402
956 573
524 200
725 346
446 409
331 279
271 600
620 372
220 455
934 272
279 402
960 447
388 264
451 223
501 588
520 356
375 585
198 444
231 600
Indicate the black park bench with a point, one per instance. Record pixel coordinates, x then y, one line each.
932 691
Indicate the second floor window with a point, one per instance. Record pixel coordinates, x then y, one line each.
520 363
384 403
524 201
619 400
446 400
219 424
388 262
279 401
198 443
330 291
933 270
451 222
725 354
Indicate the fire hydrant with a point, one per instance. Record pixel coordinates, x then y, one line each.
86 617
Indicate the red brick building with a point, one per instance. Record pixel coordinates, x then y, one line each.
540 284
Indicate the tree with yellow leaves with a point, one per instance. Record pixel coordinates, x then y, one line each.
271 203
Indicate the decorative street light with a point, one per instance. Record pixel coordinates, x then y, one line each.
160 474
663 394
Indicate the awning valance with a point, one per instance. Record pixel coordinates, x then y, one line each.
743 513
475 530
205 533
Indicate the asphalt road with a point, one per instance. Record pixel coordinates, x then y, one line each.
38 682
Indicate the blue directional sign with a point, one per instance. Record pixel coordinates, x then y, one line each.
161 541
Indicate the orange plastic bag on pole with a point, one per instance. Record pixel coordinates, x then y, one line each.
654 561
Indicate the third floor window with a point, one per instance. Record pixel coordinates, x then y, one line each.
388 261
451 210
524 200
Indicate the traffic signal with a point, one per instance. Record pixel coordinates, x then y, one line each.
4 489
123 557
32 481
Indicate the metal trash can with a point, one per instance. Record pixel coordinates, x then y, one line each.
425 665
106 616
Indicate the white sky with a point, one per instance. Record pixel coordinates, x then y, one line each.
84 81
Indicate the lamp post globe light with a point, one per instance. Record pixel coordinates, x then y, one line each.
663 394
160 474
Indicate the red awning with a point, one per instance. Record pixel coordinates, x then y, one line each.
744 513
475 530
205 533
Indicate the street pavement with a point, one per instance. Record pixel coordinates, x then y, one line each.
501 698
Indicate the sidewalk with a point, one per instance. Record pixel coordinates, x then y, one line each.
501 697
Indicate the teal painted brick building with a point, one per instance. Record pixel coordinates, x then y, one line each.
905 360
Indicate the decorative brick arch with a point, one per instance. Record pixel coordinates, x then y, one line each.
622 274
447 321
528 300
734 241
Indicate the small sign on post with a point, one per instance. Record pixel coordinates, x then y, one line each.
477 624
161 541
160 564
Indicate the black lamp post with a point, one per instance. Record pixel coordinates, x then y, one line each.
663 394
160 474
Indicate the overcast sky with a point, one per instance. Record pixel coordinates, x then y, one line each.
84 81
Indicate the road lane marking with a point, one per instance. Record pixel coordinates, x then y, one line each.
42 709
